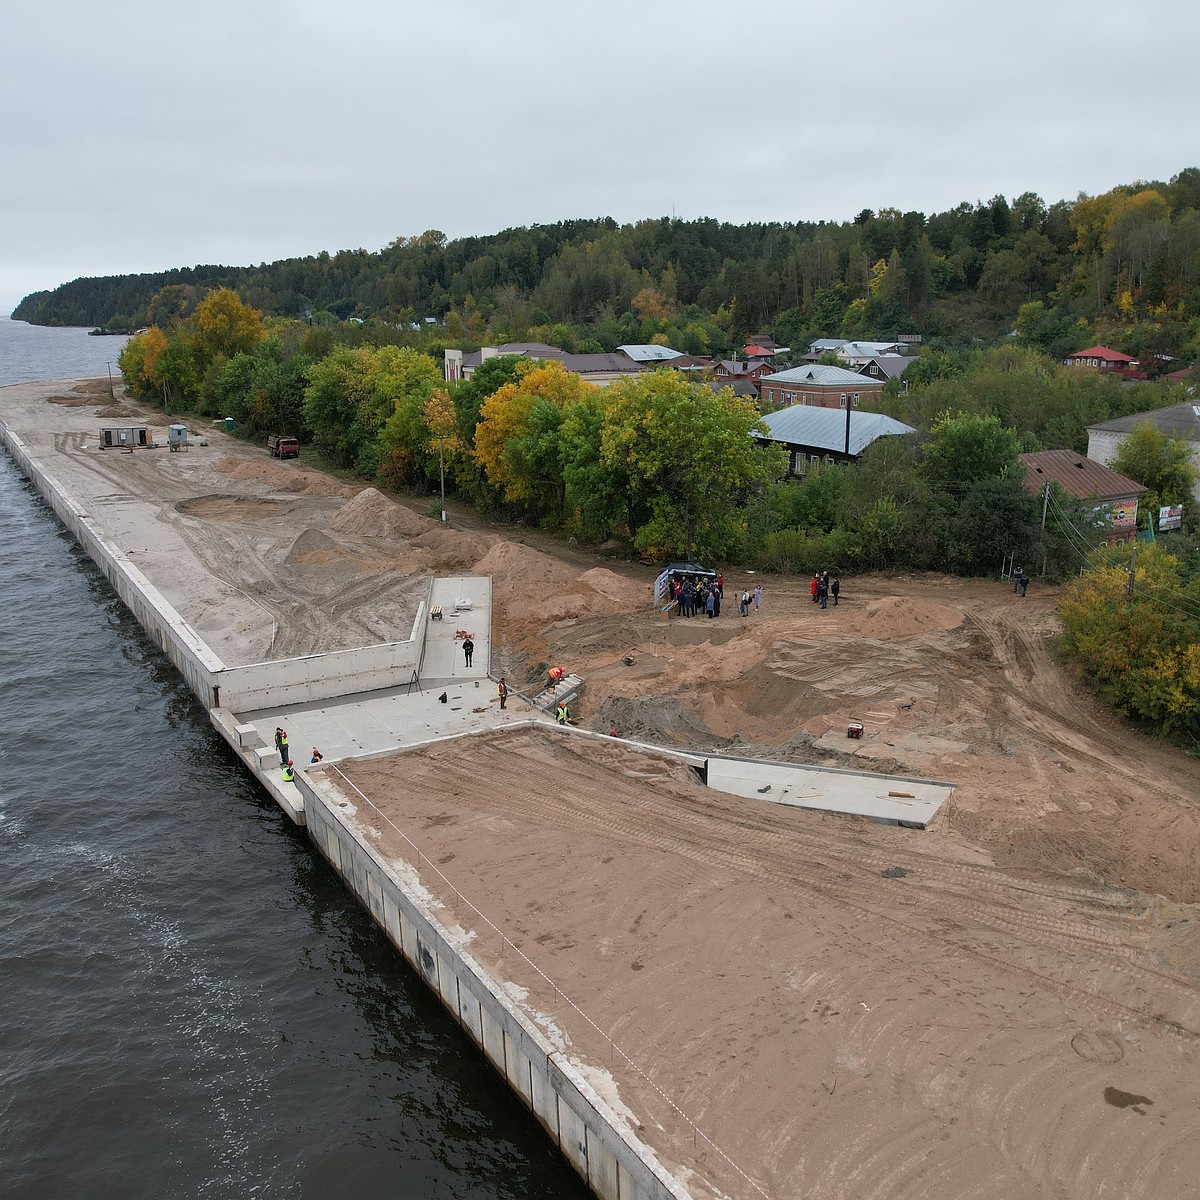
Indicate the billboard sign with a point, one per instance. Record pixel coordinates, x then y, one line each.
1170 517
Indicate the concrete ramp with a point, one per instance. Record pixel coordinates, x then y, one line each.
465 604
889 799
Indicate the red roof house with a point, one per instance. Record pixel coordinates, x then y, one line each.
1101 358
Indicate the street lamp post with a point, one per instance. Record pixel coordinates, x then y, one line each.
110 388
442 473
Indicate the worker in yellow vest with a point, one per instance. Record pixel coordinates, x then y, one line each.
561 715
289 774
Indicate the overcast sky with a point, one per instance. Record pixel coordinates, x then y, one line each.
141 136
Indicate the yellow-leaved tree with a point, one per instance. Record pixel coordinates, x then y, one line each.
516 441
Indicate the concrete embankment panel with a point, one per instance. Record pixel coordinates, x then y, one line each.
318 676
242 688
164 626
615 1164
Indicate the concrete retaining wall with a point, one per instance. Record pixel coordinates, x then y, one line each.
165 627
244 688
615 1164
323 676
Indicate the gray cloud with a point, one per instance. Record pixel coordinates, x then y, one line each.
140 138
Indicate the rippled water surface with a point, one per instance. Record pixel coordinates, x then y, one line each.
192 1005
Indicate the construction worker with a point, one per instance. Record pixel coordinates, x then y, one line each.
554 677
289 774
279 745
502 691
316 757
282 742
561 715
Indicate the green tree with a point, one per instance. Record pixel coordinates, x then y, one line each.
995 517
1143 653
690 459
965 447
338 388
595 493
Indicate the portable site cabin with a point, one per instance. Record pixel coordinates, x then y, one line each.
124 436
177 437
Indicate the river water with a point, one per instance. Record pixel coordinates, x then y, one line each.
192 1005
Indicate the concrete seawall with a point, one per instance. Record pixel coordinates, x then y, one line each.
599 1145
613 1161
215 683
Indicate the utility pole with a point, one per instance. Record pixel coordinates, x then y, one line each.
1045 503
110 390
1129 585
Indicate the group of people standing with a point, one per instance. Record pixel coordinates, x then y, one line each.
698 595
823 586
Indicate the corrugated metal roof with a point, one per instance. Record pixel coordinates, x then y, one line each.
1176 420
649 353
1080 477
819 375
825 428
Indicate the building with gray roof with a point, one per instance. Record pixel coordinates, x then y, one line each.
812 435
650 354
818 385
1179 421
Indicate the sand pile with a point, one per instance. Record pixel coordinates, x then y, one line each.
898 617
313 549
372 514
116 412
615 587
522 568
452 550
283 477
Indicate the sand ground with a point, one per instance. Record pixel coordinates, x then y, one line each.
1005 1005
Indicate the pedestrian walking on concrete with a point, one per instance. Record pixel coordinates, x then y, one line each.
835 589
502 691
757 597
468 650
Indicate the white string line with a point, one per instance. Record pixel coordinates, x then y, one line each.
696 1130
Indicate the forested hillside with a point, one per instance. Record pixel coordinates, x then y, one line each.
1122 267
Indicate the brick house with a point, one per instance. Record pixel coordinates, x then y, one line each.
818 386
1106 361
1111 498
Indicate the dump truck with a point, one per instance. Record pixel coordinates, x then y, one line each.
282 445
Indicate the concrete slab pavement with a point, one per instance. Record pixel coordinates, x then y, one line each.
380 722
443 660
888 798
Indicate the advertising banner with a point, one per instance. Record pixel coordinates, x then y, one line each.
1170 517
